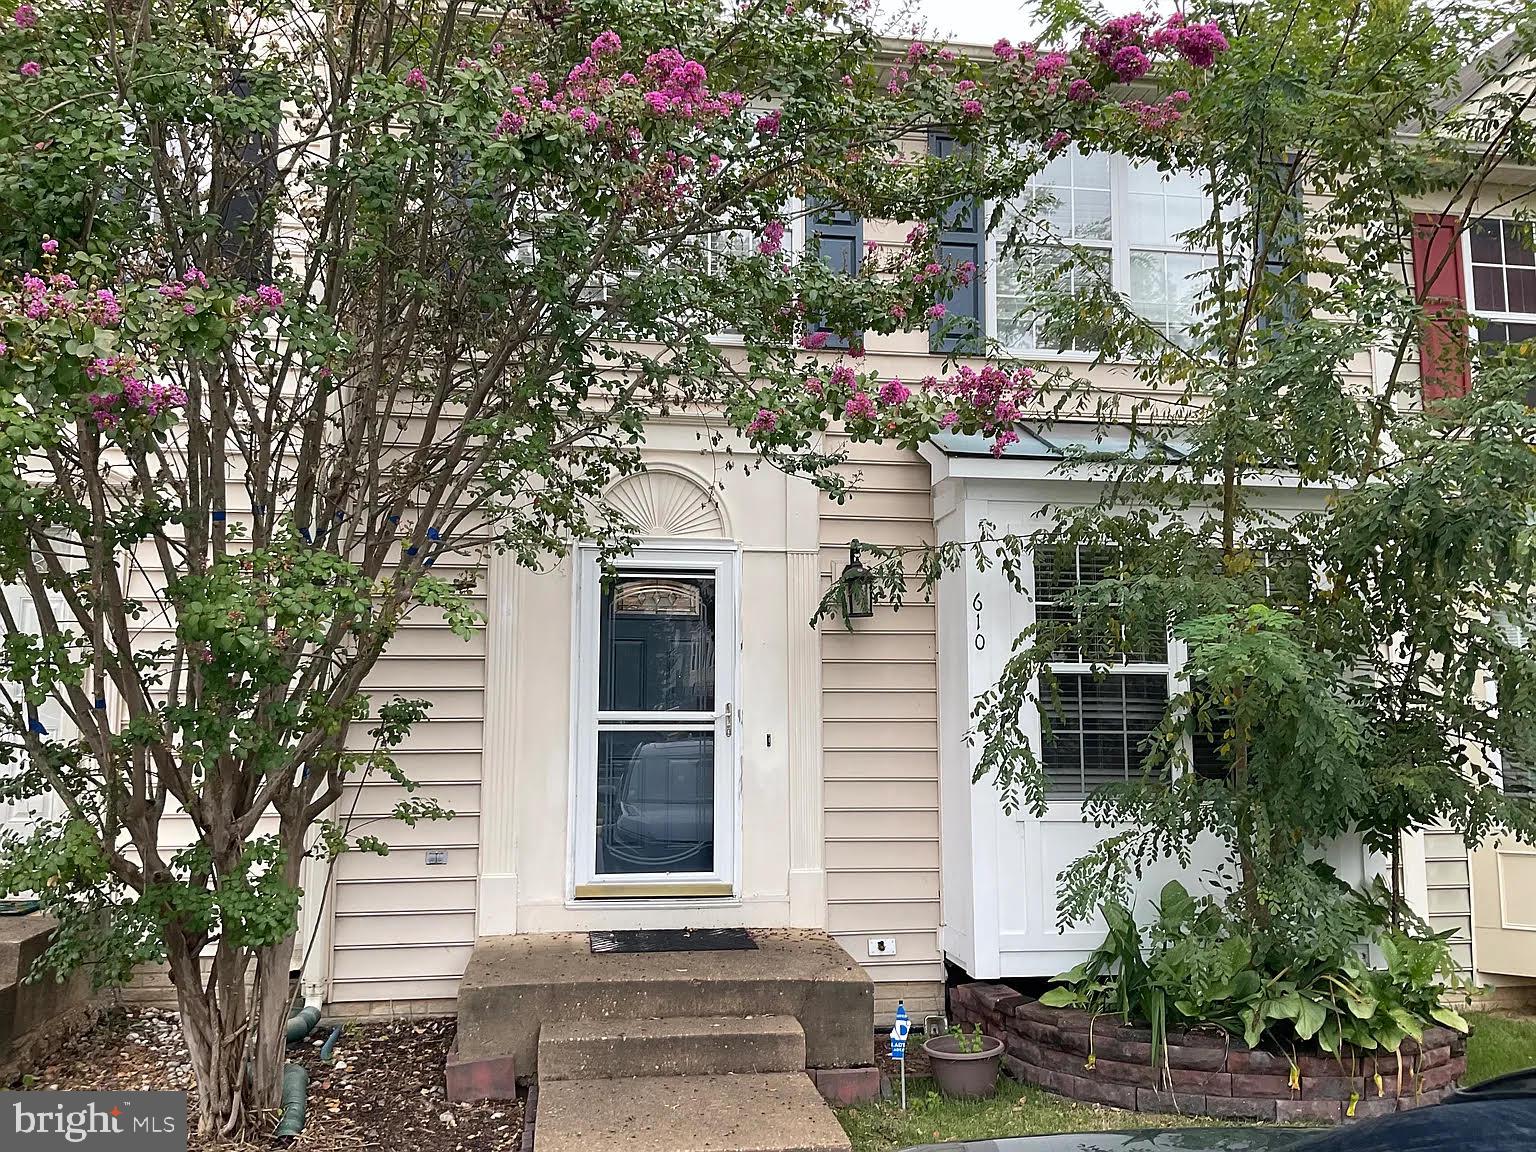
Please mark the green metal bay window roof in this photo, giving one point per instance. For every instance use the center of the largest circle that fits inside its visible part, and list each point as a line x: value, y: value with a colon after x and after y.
x: 1077, y: 440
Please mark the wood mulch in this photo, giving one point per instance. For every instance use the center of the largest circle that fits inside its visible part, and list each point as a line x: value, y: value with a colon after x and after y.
x: 384, y: 1090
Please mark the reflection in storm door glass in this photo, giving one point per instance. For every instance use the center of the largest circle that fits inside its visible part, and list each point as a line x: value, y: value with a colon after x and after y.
x: 656, y: 738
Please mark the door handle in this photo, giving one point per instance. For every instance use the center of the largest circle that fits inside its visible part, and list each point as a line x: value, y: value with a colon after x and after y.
x: 729, y: 714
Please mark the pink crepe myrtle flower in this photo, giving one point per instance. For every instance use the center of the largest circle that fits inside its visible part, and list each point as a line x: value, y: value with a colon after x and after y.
x: 416, y: 78
x: 971, y: 109
x: 606, y: 44
x: 1057, y: 140
x: 1050, y: 64
x: 195, y: 275
x: 510, y: 122
x: 769, y: 125
x: 916, y: 50
x: 173, y: 291
x: 26, y: 16
x: 899, y: 311
x: 50, y: 247
x: 189, y: 308
x: 843, y: 377
x: 1082, y: 91
x: 31, y: 69
x: 773, y: 238
x: 270, y: 295
x: 1200, y: 44
x: 814, y: 340
x: 497, y: 48
x: 937, y: 312
x: 859, y: 407
x: 105, y: 309
x: 814, y: 385
x: 894, y: 392
x: 847, y: 81
x: 764, y: 422
x: 1129, y: 63
x: 1004, y: 50
x: 4, y: 347
x: 949, y: 419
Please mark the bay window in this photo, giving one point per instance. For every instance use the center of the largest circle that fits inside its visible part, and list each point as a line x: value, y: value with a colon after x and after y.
x: 1124, y: 223
x: 1101, y: 713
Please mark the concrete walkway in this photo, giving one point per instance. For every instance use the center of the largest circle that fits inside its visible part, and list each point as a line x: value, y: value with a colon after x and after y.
x: 762, y: 1112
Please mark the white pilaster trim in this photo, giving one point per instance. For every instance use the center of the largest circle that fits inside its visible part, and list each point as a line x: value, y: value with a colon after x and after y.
x: 807, y: 878
x: 497, y: 889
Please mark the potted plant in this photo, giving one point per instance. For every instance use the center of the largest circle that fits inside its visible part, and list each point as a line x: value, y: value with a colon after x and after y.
x: 965, y: 1063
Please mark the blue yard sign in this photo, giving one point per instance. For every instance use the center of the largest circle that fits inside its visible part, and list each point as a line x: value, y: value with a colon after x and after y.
x: 899, y: 1032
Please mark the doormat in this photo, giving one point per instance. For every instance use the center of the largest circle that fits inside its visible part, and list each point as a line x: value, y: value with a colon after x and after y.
x: 674, y: 940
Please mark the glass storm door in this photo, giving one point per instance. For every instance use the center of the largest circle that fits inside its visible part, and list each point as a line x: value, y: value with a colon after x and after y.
x: 657, y: 782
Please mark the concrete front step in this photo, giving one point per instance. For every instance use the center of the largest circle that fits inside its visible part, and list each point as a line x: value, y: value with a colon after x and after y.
x: 678, y: 1046
x: 515, y: 985
x: 768, y: 1112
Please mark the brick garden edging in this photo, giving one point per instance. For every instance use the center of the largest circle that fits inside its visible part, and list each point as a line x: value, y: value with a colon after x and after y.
x: 1206, y: 1074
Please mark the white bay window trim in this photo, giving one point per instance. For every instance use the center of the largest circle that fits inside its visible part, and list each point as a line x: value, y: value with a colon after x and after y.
x: 1127, y: 195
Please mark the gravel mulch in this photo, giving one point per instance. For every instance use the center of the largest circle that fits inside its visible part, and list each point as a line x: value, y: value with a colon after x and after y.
x: 385, y: 1089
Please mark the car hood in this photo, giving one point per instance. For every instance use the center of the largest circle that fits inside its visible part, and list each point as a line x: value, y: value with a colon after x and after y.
x: 1140, y: 1140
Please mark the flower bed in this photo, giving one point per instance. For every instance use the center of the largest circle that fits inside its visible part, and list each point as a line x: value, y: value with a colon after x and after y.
x: 1102, y: 1061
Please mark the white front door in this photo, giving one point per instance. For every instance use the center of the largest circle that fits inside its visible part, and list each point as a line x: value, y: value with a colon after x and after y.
x: 656, y: 719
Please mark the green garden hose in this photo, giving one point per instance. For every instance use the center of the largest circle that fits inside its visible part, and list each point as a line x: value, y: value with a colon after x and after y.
x: 295, y: 1101
x: 302, y: 1023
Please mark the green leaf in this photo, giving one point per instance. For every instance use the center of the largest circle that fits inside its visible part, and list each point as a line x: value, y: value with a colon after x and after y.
x: 1060, y: 998
x: 1449, y: 1017
x: 1310, y: 1017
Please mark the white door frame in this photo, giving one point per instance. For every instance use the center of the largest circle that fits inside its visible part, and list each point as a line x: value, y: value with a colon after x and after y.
x: 722, y: 560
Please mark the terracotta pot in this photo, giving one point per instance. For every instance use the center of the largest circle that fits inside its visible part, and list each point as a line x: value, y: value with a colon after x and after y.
x: 966, y: 1075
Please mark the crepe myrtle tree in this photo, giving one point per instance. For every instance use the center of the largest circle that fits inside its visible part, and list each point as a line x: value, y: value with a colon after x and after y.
x: 1362, y: 666
x: 307, y: 307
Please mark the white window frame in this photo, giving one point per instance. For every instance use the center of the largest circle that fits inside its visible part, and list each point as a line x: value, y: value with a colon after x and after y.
x: 1504, y: 317
x: 1171, y: 668
x: 1119, y: 247
x: 722, y: 560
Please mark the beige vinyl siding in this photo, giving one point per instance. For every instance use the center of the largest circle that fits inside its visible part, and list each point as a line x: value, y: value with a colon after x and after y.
x: 402, y: 928
x: 880, y: 744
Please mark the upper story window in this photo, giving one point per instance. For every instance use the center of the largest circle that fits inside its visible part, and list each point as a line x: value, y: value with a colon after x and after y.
x: 1503, y: 281
x: 1126, y: 221
x: 1503, y: 288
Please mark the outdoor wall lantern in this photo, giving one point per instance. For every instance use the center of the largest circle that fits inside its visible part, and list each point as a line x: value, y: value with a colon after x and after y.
x: 858, y: 585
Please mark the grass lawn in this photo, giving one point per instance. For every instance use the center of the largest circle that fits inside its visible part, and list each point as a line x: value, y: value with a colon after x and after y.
x: 1016, y: 1110
x: 1498, y: 1044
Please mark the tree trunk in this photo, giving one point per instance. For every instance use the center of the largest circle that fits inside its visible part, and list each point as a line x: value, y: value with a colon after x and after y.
x: 217, y: 1054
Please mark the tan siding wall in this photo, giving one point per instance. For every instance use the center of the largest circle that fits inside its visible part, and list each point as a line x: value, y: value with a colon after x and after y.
x: 403, y: 928
x: 880, y: 744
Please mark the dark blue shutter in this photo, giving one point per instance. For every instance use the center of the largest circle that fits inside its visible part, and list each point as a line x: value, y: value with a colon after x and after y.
x: 962, y: 237
x: 837, y: 236
x: 245, y: 229
x: 1281, y: 251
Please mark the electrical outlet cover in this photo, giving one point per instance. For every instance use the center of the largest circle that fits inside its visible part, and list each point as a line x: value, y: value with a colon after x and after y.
x: 882, y: 946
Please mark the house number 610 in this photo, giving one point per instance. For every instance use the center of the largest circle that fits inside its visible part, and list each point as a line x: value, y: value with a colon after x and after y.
x: 981, y: 641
